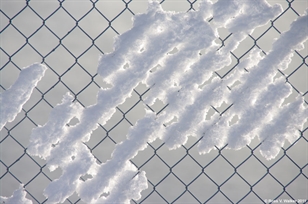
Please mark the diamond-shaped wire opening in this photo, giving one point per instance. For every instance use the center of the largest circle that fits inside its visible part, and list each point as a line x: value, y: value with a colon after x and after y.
x: 40, y: 113
x: 156, y: 170
x: 9, y: 35
x: 60, y: 29
x: 44, y: 41
x: 268, y: 188
x: 252, y: 170
x: 235, y: 194
x: 202, y: 188
x: 187, y: 170
x: 299, y: 79
x: 36, y: 192
x: 77, y: 35
x: 60, y: 60
x: 170, y: 188
x: 9, y: 154
x: 30, y: 19
x: 23, y: 131
x: 93, y: 23
x: 296, y: 156
x: 284, y: 170
x: 25, y: 169
x: 219, y: 170
x: 76, y: 74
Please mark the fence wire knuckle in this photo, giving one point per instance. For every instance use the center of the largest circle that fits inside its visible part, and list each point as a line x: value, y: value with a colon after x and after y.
x: 157, y: 189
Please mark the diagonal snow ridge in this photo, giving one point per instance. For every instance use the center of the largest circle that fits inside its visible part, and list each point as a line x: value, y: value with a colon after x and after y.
x: 163, y: 49
x: 11, y: 103
x: 13, y: 99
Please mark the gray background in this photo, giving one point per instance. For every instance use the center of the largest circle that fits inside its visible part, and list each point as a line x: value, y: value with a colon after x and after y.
x: 43, y: 46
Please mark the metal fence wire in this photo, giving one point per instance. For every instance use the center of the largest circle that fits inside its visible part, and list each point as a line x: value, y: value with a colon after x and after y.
x: 68, y: 36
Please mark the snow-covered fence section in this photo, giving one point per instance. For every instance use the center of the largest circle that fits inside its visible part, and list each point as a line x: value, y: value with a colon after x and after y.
x: 163, y: 48
x: 13, y: 99
x: 19, y: 196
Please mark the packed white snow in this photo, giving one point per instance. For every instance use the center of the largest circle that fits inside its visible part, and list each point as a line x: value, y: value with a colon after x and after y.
x: 18, y: 197
x: 257, y: 101
x: 13, y: 99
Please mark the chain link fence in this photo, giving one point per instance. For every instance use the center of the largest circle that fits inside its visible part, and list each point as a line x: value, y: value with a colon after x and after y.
x: 68, y: 36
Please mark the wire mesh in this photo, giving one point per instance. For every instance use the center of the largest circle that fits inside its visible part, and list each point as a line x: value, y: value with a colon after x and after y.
x: 68, y: 36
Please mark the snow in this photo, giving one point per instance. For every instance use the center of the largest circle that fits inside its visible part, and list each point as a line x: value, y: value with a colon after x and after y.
x: 18, y: 197
x: 257, y: 101
x: 107, y: 172
x: 13, y: 99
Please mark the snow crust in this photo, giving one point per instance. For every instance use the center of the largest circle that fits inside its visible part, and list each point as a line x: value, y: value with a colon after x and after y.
x: 18, y: 197
x: 257, y: 101
x: 13, y: 99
